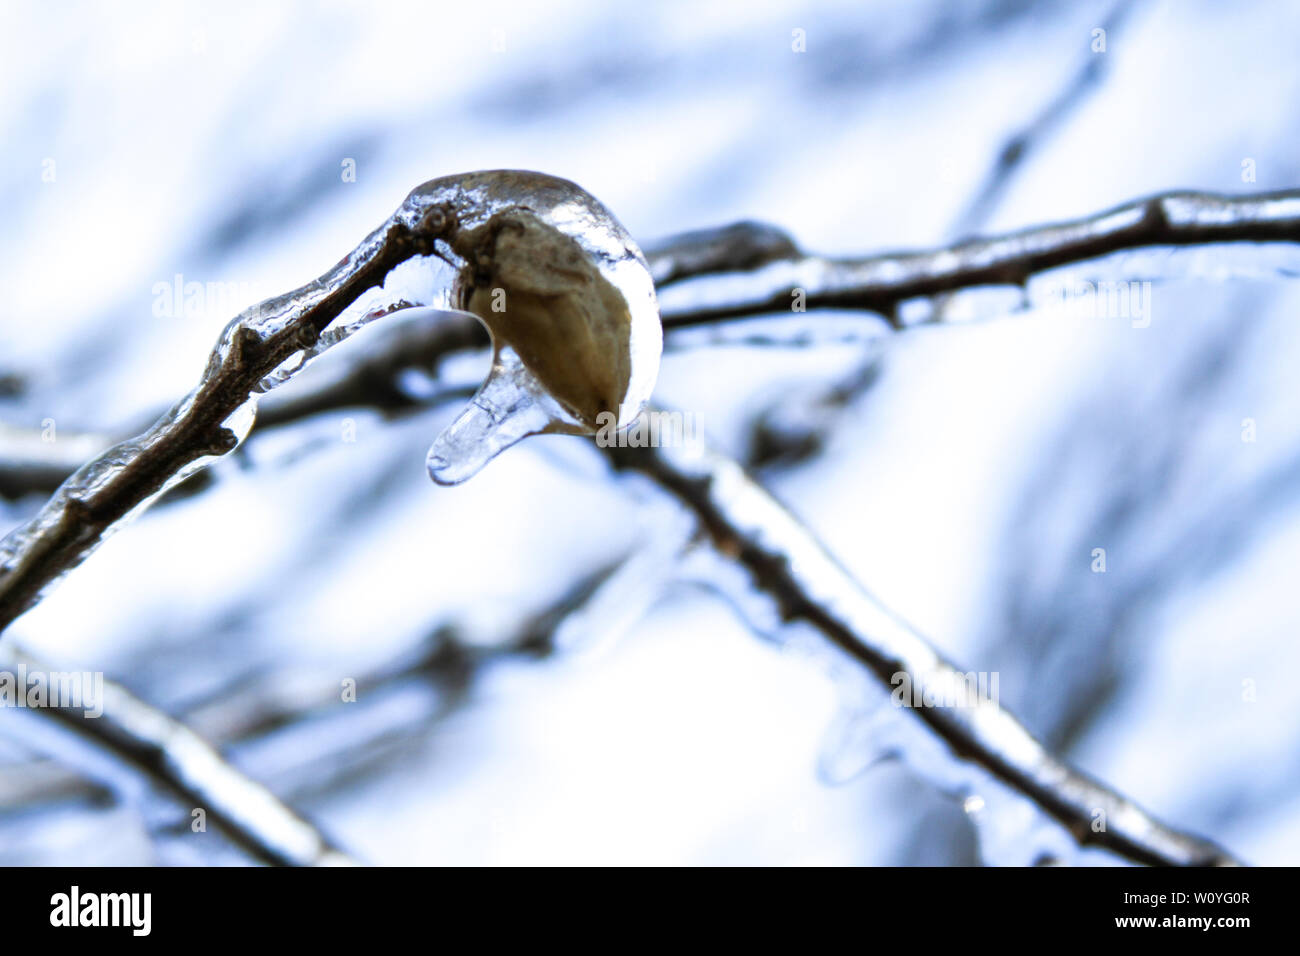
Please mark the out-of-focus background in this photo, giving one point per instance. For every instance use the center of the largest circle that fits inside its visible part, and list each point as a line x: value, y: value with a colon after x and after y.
x: 967, y: 479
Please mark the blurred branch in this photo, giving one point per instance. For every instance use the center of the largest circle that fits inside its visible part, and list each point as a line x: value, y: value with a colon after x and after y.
x: 257, y: 702
x: 170, y: 754
x: 34, y: 462
x: 879, y: 283
x: 1053, y: 115
x: 785, y: 436
x: 371, y: 380
x: 738, y: 247
x: 786, y: 562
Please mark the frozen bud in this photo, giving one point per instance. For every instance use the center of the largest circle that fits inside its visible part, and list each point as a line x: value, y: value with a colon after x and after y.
x: 569, y: 302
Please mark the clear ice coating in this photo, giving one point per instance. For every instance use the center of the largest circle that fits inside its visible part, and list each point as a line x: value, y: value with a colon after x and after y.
x: 567, y: 298
x: 511, y: 405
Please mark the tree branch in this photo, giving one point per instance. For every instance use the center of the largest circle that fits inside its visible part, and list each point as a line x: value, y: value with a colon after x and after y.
x: 786, y: 562
x: 879, y: 283
x: 170, y: 754
x: 249, y: 706
x: 130, y: 475
x: 738, y: 247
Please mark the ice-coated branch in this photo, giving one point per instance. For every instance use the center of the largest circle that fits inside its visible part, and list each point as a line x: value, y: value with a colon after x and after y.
x: 202, y: 426
x: 738, y: 247
x: 582, y: 335
x: 786, y: 562
x: 371, y: 380
x: 879, y: 283
x: 235, y: 712
x: 29, y: 462
x: 171, y: 755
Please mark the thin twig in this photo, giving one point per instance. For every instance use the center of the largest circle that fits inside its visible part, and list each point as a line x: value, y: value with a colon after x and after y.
x: 167, y: 752
x: 879, y: 283
x: 1051, y: 116
x: 786, y: 562
x: 253, y: 704
x: 740, y: 246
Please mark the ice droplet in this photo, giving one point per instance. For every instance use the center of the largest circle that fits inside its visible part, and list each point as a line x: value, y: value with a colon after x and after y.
x: 511, y: 405
x: 569, y: 302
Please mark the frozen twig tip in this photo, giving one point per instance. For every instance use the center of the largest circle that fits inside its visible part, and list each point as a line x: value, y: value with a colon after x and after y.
x: 569, y: 302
